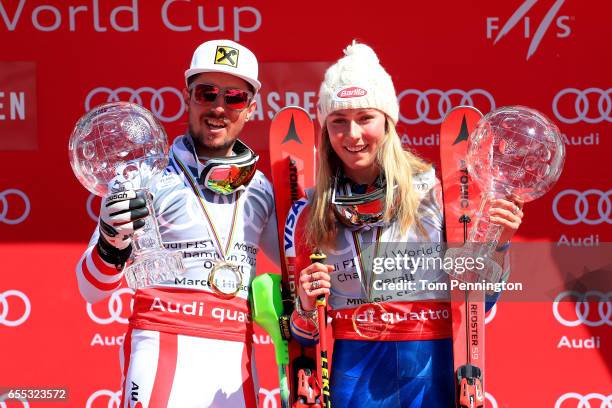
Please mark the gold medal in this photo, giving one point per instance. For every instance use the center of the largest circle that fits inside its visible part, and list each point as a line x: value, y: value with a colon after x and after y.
x: 369, y: 321
x: 225, y: 279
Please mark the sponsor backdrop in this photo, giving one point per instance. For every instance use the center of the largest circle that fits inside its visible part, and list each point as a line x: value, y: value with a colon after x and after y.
x: 58, y: 59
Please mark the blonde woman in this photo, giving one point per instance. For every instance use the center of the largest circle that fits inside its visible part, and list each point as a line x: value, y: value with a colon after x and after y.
x: 371, y: 196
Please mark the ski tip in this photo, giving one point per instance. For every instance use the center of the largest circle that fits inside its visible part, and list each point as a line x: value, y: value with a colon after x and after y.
x: 292, y: 108
x: 461, y: 108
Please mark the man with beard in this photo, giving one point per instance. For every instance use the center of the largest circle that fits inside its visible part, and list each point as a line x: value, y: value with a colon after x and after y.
x: 189, y: 341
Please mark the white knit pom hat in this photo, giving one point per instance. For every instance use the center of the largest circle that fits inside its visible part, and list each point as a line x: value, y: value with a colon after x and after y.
x: 357, y: 80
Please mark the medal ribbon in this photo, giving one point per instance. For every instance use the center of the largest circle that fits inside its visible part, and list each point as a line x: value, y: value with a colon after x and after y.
x: 357, y: 252
x: 198, y: 193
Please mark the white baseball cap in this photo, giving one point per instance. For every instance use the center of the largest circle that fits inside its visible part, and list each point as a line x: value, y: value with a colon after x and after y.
x: 227, y: 57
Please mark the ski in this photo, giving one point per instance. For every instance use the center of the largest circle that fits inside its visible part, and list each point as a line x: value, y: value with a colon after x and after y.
x: 292, y: 159
x: 461, y: 200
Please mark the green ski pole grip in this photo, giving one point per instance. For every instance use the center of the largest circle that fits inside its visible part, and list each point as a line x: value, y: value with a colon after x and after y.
x: 267, y: 308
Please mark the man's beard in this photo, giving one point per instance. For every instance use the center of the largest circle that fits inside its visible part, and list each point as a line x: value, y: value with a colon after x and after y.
x: 199, y: 140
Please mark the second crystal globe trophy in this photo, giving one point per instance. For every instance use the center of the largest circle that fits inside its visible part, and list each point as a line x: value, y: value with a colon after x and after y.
x: 514, y: 151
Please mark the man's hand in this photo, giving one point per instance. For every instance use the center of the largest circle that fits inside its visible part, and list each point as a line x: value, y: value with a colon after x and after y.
x: 120, y: 215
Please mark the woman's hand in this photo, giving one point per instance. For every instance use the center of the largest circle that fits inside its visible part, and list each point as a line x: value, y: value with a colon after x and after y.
x: 314, y: 281
x: 509, y: 214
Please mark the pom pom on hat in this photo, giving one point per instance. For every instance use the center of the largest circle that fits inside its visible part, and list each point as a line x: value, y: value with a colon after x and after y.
x: 355, y: 81
x: 359, y: 50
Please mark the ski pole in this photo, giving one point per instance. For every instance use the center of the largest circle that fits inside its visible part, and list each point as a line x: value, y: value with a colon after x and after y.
x: 267, y: 309
x: 320, y: 257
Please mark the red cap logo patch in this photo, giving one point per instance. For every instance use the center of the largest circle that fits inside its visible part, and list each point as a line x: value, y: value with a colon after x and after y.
x: 352, y: 92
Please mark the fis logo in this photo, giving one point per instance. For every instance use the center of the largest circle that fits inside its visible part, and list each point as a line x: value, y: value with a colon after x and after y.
x: 226, y: 56
x: 520, y: 18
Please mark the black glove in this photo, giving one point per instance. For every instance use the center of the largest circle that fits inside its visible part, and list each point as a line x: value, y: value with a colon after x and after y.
x: 120, y: 215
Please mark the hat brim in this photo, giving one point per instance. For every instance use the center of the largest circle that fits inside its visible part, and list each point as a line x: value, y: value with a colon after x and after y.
x: 193, y: 71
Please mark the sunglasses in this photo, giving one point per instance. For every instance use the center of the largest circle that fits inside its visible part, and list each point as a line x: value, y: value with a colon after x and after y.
x: 236, y: 99
x: 359, y: 209
x: 356, y: 210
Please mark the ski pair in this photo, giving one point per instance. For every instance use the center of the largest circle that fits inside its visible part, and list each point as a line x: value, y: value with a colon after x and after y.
x: 461, y: 200
x: 292, y: 158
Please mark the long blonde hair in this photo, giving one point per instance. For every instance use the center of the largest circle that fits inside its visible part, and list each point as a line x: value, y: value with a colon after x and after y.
x: 398, y: 166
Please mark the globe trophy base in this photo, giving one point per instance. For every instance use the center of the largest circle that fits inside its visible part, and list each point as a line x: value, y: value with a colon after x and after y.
x: 153, y: 266
x: 483, y: 267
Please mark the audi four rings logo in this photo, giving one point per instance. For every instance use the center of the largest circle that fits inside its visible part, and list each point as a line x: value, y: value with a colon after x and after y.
x: 113, y: 398
x: 582, y: 210
x: 6, y: 306
x: 432, y: 105
x: 491, y: 399
x: 582, y: 314
x: 584, y: 401
x: 115, y: 308
x: 491, y: 315
x: 165, y: 103
x: 3, y: 397
x: 4, y: 206
x: 582, y: 108
x: 269, y: 397
x: 89, y: 206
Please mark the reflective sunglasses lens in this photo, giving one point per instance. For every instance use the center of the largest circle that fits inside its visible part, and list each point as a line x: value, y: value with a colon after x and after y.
x: 236, y: 98
x: 227, y: 179
x: 360, y: 214
x: 204, y: 93
x: 373, y: 207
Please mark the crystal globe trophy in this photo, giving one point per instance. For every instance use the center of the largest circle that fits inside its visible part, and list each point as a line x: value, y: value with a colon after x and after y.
x: 120, y: 146
x: 514, y: 151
